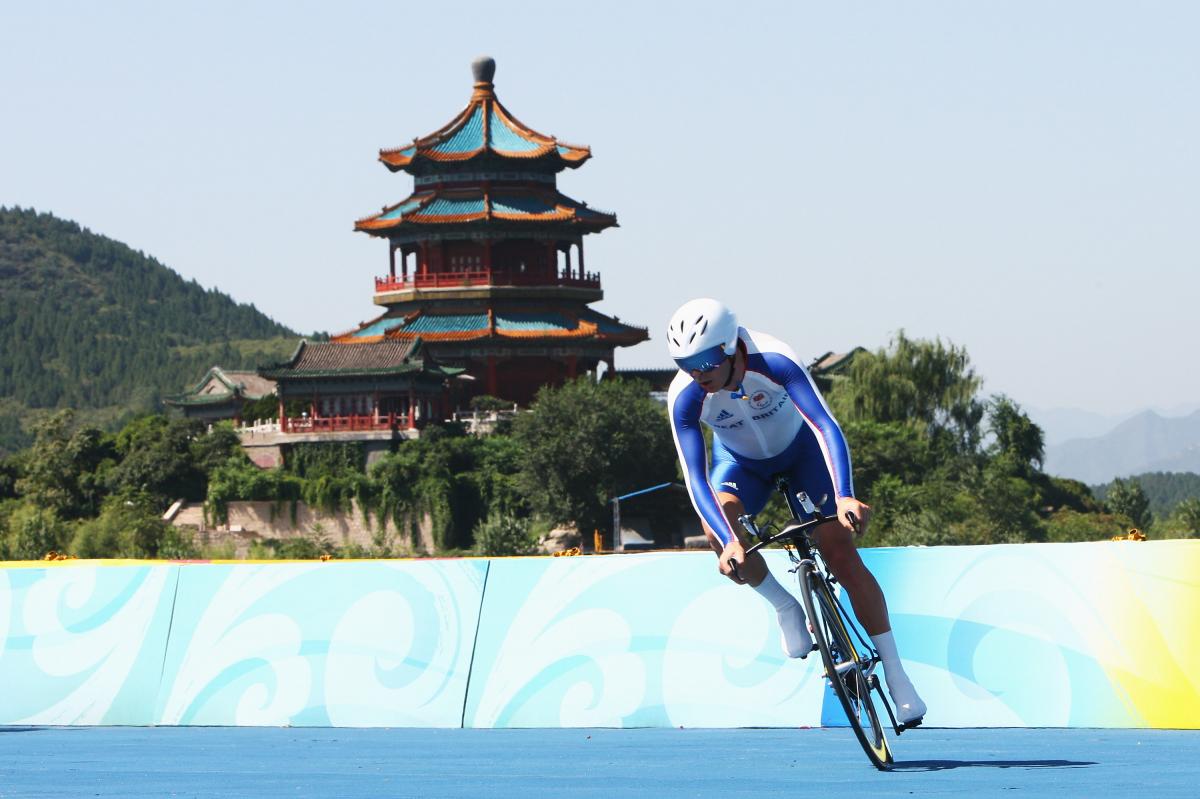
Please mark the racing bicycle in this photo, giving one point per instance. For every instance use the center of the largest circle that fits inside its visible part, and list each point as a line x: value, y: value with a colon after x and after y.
x: 849, y: 659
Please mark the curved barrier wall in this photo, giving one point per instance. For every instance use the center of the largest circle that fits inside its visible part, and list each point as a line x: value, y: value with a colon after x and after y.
x: 1062, y: 635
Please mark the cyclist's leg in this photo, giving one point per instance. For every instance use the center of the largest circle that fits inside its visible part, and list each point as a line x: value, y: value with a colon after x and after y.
x: 836, y: 543
x: 739, y: 491
x: 743, y: 489
x: 838, y: 549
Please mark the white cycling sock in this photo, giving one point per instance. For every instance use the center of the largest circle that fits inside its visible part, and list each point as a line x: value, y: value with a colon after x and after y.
x: 893, y: 669
x: 796, y: 641
x: 909, y: 705
x: 779, y: 597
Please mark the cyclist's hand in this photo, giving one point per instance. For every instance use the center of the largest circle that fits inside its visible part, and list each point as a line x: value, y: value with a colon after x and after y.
x: 736, y: 552
x: 861, y: 511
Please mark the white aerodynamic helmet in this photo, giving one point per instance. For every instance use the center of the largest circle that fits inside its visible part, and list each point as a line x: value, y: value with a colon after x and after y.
x: 701, y: 334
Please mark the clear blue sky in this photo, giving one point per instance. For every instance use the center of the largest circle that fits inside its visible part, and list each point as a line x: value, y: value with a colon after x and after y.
x: 1019, y: 178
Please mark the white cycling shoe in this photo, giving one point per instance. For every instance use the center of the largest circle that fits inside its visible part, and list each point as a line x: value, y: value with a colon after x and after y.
x: 910, y: 709
x: 796, y: 641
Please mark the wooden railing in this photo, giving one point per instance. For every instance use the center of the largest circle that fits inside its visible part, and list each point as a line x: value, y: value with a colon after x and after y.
x: 439, y: 280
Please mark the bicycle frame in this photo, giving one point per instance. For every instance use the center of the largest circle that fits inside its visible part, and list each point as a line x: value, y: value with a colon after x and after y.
x: 840, y: 631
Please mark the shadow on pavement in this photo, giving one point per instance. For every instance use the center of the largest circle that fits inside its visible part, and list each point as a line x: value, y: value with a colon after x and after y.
x: 945, y: 765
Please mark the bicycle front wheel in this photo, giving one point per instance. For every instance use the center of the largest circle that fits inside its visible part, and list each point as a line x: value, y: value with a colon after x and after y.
x: 847, y: 671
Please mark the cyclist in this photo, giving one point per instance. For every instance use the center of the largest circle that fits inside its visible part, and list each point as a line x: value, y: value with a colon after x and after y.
x: 767, y: 417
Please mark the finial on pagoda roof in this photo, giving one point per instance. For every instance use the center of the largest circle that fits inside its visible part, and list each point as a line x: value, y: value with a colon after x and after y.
x: 484, y: 69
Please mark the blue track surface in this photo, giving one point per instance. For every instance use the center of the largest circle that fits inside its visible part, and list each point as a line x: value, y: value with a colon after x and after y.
x: 538, y: 764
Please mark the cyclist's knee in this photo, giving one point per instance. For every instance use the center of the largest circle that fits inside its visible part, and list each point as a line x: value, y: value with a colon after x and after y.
x: 840, y: 554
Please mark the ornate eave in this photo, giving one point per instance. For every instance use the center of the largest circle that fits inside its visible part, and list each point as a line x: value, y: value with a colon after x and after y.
x: 355, y: 359
x: 486, y: 205
x: 529, y: 326
x: 234, y: 386
x: 484, y: 128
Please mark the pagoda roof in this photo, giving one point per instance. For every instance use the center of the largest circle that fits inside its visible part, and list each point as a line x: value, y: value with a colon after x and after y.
x: 429, y: 326
x: 485, y: 204
x: 352, y: 359
x: 834, y: 362
x: 485, y: 127
x: 219, y: 385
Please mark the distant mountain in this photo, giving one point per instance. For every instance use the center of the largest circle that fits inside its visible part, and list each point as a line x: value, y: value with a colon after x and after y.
x: 1064, y: 424
x: 86, y: 322
x: 1146, y: 442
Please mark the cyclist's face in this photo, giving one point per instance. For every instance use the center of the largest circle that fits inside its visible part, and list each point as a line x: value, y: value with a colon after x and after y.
x: 716, y: 377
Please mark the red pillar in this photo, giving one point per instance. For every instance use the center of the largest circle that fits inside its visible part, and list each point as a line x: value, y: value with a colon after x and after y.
x: 491, y: 375
x: 392, y: 262
x: 568, y: 261
x: 582, y: 268
x: 572, y: 366
x: 282, y: 418
x: 412, y: 410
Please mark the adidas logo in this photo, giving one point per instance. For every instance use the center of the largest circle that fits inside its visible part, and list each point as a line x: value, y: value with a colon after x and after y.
x: 723, y: 415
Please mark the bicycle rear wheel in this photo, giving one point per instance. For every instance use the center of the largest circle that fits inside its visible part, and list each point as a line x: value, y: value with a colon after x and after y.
x: 847, y: 672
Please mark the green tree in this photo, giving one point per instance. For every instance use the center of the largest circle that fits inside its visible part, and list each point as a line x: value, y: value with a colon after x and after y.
x: 585, y: 443
x: 1016, y: 436
x: 9, y: 474
x: 486, y: 402
x: 924, y: 383
x: 499, y: 535
x: 1127, y: 498
x: 129, y: 526
x: 63, y: 470
x: 31, y: 532
x: 156, y: 459
x: 1185, y: 518
x: 1071, y: 525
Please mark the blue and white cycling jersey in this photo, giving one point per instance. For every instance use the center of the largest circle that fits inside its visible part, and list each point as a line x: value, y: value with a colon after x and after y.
x: 778, y: 409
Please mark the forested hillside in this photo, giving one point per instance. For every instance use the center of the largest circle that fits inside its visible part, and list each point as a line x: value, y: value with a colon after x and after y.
x: 89, y: 323
x: 1163, y: 490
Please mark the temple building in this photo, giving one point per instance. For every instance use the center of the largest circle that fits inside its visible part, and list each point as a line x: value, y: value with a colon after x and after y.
x: 386, y: 386
x: 221, y: 394
x: 487, y: 292
x: 486, y: 256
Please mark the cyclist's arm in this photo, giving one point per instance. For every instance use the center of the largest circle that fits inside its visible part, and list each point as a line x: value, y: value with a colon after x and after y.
x: 684, y: 411
x: 795, y: 379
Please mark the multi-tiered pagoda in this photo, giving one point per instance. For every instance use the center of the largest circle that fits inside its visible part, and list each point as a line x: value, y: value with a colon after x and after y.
x: 486, y: 256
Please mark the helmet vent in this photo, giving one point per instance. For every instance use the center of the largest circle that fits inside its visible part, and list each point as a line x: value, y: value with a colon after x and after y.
x: 704, y: 328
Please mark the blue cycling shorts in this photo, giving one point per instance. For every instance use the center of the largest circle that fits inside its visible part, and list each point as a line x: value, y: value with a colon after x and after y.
x: 750, y: 480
